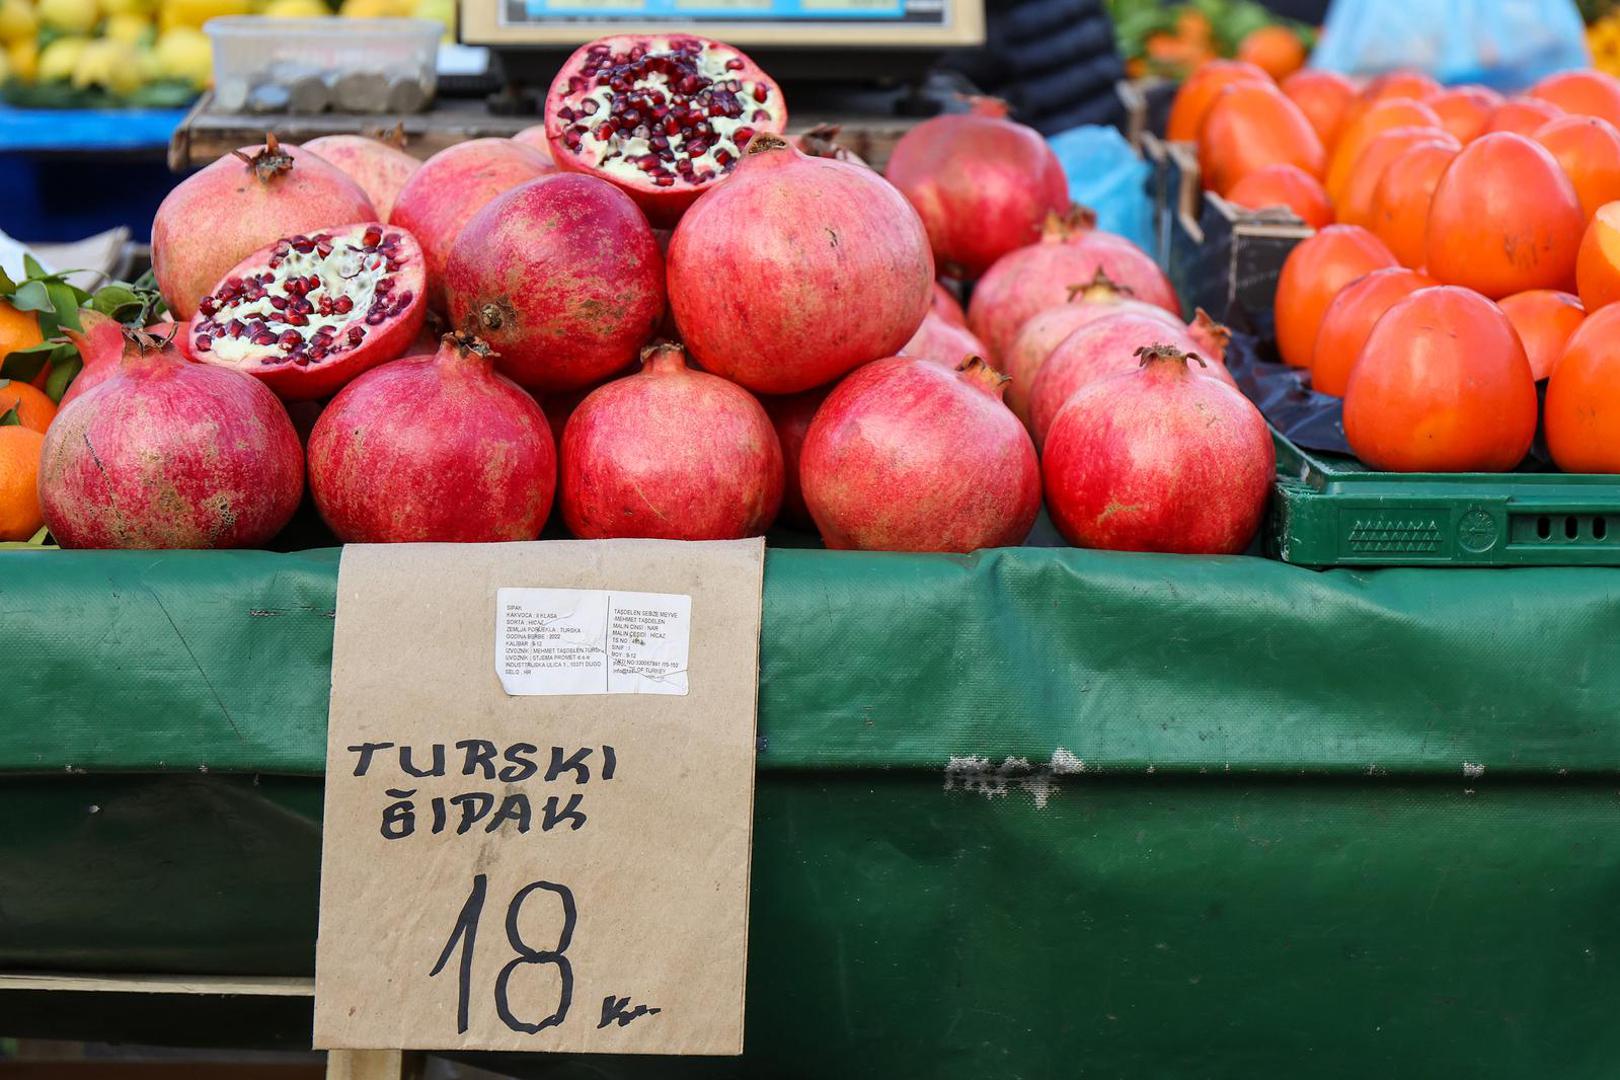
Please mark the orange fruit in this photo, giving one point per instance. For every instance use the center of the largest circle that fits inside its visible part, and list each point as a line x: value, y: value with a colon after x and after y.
x: 1312, y: 275
x: 1585, y: 93
x: 34, y: 409
x: 1465, y: 110
x: 1351, y: 317
x: 1597, y: 266
x: 1323, y: 96
x: 1442, y: 385
x: 1249, y: 127
x: 1400, y: 212
x: 1588, y: 150
x: 18, y: 330
x: 1193, y: 25
x: 1276, y: 50
x: 20, y: 515
x: 1504, y: 219
x: 1357, y: 133
x: 1284, y: 185
x: 1198, y: 93
x: 1544, y: 320
x: 1583, y: 398
x: 1356, y: 207
x: 1522, y: 116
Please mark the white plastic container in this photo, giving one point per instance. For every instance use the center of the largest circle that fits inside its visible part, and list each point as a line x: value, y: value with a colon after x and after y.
x: 323, y: 65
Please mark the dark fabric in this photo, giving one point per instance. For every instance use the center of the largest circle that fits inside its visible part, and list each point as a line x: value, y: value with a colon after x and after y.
x: 1053, y: 61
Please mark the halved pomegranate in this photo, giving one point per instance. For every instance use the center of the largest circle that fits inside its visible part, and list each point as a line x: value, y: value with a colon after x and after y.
x: 662, y: 117
x: 308, y: 313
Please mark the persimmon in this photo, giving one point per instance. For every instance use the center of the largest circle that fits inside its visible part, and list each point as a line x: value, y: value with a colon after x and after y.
x: 1356, y: 207
x: 1441, y: 385
x: 1249, y: 127
x: 1400, y: 213
x: 1588, y: 150
x: 1544, y: 320
x: 1284, y: 185
x: 1276, y: 50
x: 1464, y: 110
x: 1391, y: 86
x: 1587, y: 92
x: 1323, y: 96
x: 1312, y: 275
x: 1351, y: 317
x: 1597, y: 265
x: 1583, y: 398
x: 1198, y: 92
x: 1522, y: 116
x: 1504, y: 219
x: 1362, y: 130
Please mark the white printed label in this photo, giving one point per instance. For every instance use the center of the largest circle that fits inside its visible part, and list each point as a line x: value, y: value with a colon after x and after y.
x: 590, y: 641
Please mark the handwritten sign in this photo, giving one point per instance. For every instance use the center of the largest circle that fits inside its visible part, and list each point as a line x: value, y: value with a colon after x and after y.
x: 539, y: 793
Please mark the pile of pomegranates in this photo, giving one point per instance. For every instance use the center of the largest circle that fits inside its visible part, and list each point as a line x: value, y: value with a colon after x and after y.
x: 662, y: 316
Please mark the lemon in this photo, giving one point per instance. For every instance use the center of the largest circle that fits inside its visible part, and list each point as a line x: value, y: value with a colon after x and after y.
x: 69, y: 16
x: 17, y: 21
x: 23, y: 56
x: 442, y: 11
x: 109, y: 64
x: 193, y: 13
x: 296, y: 9
x: 365, y: 9
x: 60, y: 57
x: 183, y: 53
x: 130, y: 28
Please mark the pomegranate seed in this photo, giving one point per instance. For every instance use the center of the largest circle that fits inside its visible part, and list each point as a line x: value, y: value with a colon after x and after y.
x: 375, y: 318
x: 203, y: 343
x: 742, y: 135
x: 265, y: 338
x: 761, y: 92
x: 207, y: 306
x: 289, y: 338
x: 734, y: 64
x: 317, y: 351
x: 664, y: 181
x: 343, y: 305
x: 722, y: 157
x: 373, y: 237
x: 237, y: 328
x: 296, y: 318
x: 405, y: 299
x: 761, y: 116
x: 357, y: 334
x: 279, y: 303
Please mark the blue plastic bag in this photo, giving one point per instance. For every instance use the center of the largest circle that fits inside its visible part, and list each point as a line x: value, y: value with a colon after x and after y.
x: 1105, y: 174
x: 1506, y: 44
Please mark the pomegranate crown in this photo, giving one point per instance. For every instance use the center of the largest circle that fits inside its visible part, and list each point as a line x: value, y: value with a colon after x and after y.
x: 985, y: 105
x: 1152, y: 354
x: 1060, y: 226
x: 268, y: 163
x: 1216, y: 335
x: 978, y: 370
x: 394, y: 136
x: 663, y: 355
x: 141, y: 341
x: 1100, y: 283
x: 820, y: 141
x: 764, y: 143
x: 464, y: 344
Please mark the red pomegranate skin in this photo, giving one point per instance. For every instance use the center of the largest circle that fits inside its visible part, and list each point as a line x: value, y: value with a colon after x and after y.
x: 791, y: 415
x: 381, y: 170
x: 982, y: 184
x: 215, y: 218
x: 948, y: 307
x: 535, y: 139
x: 100, y: 341
x: 1107, y: 346
x: 434, y: 448
x: 670, y: 453
x: 908, y: 455
x: 453, y: 185
x: 1159, y: 459
x: 797, y: 270
x: 562, y: 277
x: 943, y: 343
x: 1070, y: 252
x: 169, y: 454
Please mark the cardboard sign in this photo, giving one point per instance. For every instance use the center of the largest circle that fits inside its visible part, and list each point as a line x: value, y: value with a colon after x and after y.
x: 539, y: 797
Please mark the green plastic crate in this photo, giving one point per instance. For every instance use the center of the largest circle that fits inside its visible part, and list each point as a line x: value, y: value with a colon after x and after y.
x: 1329, y: 510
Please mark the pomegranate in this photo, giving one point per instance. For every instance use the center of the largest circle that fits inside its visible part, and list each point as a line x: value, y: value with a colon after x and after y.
x: 948, y: 307
x: 1107, y: 346
x: 671, y: 453
x: 308, y: 313
x: 822, y: 141
x: 534, y: 138
x: 943, y: 343
x: 1159, y: 459
x: 562, y: 277
x: 1045, y: 331
x: 1070, y: 250
x: 453, y: 185
x: 661, y: 117
x: 100, y: 341
x: 380, y: 169
x: 908, y: 455
x: 982, y: 183
x: 215, y: 218
x: 169, y: 454
x: 797, y: 270
x: 791, y: 415
x: 433, y: 448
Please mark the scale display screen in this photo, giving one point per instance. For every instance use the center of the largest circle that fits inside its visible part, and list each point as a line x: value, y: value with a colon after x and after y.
x: 936, y: 23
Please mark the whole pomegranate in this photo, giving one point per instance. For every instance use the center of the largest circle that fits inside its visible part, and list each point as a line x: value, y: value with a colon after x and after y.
x: 981, y: 183
x: 453, y: 185
x: 1045, y: 331
x: 215, y: 218
x: 791, y: 415
x: 942, y: 342
x: 535, y: 139
x: 169, y: 454
x: 1108, y: 346
x: 797, y: 270
x: 947, y: 306
x: 663, y: 117
x: 670, y: 453
x: 1159, y: 459
x: 381, y: 170
x: 1070, y: 252
x: 562, y: 277
x: 908, y: 455
x: 100, y: 341
x: 308, y: 313
x: 434, y: 449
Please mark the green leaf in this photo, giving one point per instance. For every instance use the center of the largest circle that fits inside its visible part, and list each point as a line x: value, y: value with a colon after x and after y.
x: 7, y: 286
x: 31, y: 296
x: 32, y: 267
x: 65, y: 299
x: 63, y: 371
x: 25, y: 364
x: 38, y: 539
x: 11, y: 418
x: 111, y: 298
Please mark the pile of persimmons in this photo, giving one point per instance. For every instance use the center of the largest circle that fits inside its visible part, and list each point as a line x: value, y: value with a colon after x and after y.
x: 1467, y: 247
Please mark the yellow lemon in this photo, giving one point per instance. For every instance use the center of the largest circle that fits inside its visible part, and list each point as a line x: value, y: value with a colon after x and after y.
x: 183, y: 53
x: 296, y: 9
x: 109, y: 64
x: 365, y: 9
x: 60, y: 57
x: 23, y: 56
x: 193, y: 13
x: 69, y: 16
x: 129, y: 28
x: 17, y: 21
